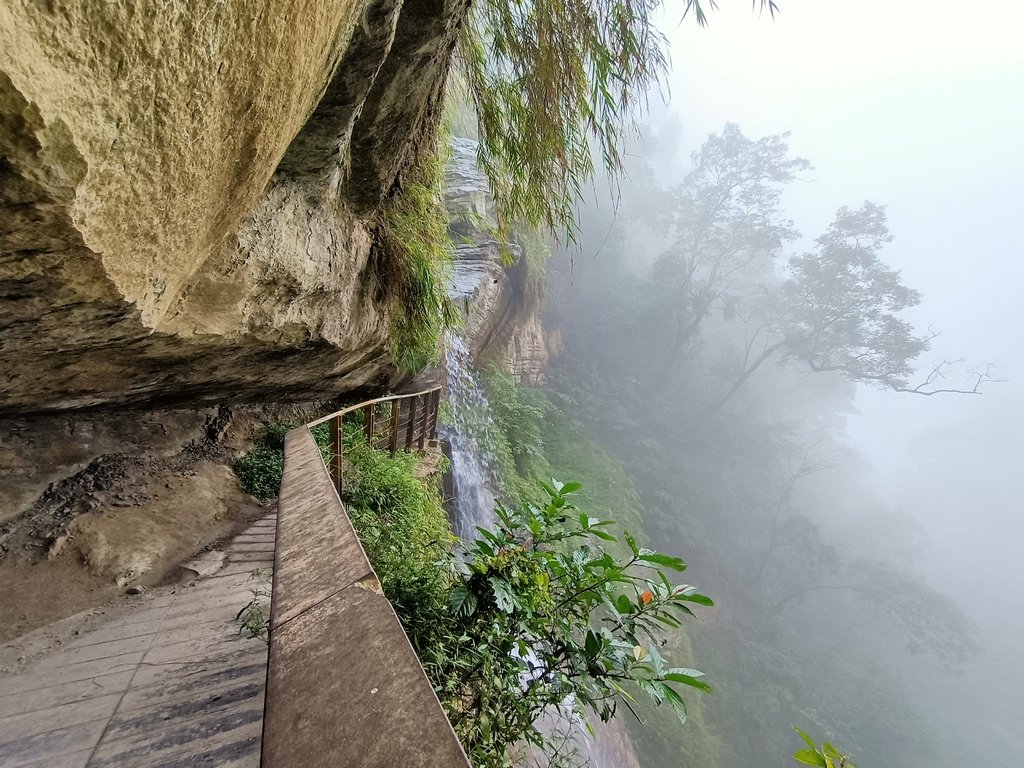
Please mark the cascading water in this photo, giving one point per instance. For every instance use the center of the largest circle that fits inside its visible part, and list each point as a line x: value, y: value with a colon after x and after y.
x: 473, y: 473
x: 475, y: 483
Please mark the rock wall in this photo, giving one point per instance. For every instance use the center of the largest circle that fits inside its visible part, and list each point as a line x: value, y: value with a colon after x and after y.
x: 500, y: 309
x: 187, y: 193
x: 188, y: 198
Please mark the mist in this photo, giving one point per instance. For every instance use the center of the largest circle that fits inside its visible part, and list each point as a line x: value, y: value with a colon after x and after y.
x: 918, y: 108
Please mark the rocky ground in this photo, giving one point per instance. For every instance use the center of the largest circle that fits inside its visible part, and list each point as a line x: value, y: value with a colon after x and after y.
x: 127, y: 520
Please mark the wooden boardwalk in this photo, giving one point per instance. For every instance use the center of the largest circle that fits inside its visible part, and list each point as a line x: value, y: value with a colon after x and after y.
x: 165, y: 681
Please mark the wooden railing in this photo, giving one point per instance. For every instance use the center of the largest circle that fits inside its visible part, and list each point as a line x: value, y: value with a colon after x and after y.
x: 388, y: 423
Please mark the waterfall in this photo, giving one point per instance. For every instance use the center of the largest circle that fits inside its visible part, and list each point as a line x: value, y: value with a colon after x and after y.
x: 475, y: 481
x: 474, y: 476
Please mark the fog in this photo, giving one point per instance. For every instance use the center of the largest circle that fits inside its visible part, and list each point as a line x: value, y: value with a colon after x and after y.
x: 918, y: 107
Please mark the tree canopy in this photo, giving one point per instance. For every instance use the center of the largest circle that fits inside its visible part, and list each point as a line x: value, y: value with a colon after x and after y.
x: 834, y: 309
x: 554, y: 83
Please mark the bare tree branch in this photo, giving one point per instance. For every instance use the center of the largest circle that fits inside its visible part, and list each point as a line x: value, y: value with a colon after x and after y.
x: 930, y: 386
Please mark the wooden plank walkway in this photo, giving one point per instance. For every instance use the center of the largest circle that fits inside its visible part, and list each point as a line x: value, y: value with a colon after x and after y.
x: 165, y: 682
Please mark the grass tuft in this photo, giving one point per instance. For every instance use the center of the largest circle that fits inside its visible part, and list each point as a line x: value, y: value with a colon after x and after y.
x: 417, y: 263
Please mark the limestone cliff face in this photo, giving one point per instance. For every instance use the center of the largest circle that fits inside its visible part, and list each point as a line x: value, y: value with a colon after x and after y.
x: 187, y: 194
x: 500, y: 309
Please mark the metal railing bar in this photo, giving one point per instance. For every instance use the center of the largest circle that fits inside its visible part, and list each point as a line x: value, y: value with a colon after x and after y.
x: 365, y: 403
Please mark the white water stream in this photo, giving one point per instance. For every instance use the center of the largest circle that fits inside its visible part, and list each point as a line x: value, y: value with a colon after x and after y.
x: 474, y: 475
x: 475, y: 484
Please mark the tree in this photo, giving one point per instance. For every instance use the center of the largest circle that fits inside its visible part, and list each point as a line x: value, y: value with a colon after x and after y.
x: 789, y: 529
x: 838, y: 312
x: 727, y: 226
x: 553, y: 82
x: 931, y: 622
x: 840, y: 305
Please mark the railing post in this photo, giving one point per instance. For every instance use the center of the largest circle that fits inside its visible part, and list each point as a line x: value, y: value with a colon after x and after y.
x: 424, y: 421
x: 337, y: 446
x: 410, y: 430
x: 396, y: 413
x: 369, y: 418
x: 435, y: 403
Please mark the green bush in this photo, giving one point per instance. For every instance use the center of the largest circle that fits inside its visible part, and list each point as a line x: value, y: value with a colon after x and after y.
x: 260, y: 468
x: 416, y: 265
x: 544, y: 617
x: 400, y: 519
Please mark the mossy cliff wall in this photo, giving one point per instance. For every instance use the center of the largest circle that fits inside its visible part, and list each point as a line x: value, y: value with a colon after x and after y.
x: 500, y: 304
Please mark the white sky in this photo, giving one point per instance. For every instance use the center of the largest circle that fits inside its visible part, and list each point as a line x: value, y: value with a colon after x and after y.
x: 920, y: 106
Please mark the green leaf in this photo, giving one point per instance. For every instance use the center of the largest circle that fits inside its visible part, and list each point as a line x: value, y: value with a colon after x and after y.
x: 675, y: 563
x: 463, y: 602
x: 503, y: 594
x: 694, y: 597
x: 484, y: 547
x: 690, y: 680
x: 803, y: 735
x: 568, y: 488
x: 592, y: 645
x: 675, y: 701
x: 632, y: 543
x: 489, y: 536
x: 683, y: 609
x: 810, y: 757
x: 687, y: 671
x: 601, y: 535
x: 623, y: 604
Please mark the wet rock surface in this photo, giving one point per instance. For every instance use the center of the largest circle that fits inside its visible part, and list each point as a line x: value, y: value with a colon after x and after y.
x: 501, y: 311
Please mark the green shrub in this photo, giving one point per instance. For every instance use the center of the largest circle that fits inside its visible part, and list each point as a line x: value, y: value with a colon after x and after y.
x: 260, y: 468
x: 417, y: 262
x: 404, y: 528
x: 545, y: 617
x: 400, y: 518
x: 519, y: 412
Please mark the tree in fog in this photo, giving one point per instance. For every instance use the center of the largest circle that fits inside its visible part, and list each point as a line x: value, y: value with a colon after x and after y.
x: 820, y: 607
x: 837, y: 308
x: 726, y: 225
